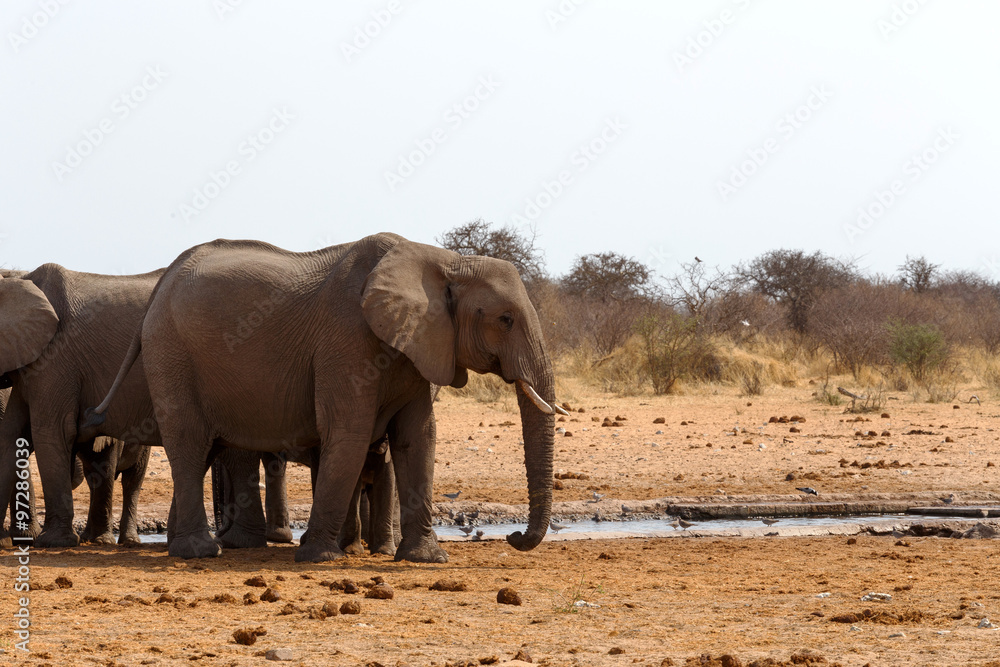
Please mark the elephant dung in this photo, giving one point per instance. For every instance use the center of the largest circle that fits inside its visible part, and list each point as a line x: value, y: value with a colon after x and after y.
x: 247, y: 636
x: 508, y: 595
x: 380, y: 592
x: 350, y: 607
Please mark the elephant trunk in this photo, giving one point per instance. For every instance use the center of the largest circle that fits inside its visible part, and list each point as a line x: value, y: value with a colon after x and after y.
x: 537, y: 427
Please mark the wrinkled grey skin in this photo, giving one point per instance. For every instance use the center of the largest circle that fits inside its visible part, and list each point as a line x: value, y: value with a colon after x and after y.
x: 266, y: 349
x: 62, y: 337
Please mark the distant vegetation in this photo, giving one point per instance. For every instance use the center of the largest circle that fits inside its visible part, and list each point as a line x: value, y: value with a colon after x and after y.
x: 772, y: 320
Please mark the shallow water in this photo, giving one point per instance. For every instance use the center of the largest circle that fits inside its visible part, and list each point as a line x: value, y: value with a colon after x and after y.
x: 652, y: 527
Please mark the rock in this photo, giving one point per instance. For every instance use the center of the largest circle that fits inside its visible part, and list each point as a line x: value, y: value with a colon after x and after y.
x: 985, y: 624
x: 380, y: 592
x: 508, y: 595
x: 270, y: 595
x: 247, y: 636
x: 897, y: 634
x: 450, y: 585
x: 64, y: 582
x: 279, y: 654
x: 256, y: 581
x: 350, y: 607
x: 876, y: 597
x: 660, y: 420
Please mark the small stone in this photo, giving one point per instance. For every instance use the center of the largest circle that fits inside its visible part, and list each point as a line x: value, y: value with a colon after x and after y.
x: 523, y: 656
x: 508, y: 596
x: 64, y: 582
x: 350, y: 607
x: 985, y: 624
x: 852, y: 540
x: 279, y: 654
x: 257, y: 581
x: 380, y: 592
x: 270, y: 595
x: 660, y: 420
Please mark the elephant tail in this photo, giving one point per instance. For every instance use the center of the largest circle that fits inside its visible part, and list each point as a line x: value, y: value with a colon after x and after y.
x: 94, y: 417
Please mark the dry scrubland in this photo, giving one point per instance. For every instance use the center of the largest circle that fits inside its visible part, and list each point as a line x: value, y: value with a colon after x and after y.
x: 738, y: 600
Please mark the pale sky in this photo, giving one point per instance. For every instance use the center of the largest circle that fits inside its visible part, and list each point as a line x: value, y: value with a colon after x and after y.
x: 661, y: 130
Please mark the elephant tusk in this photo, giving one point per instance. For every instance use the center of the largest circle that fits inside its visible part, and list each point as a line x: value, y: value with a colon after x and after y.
x: 558, y: 408
x: 530, y: 392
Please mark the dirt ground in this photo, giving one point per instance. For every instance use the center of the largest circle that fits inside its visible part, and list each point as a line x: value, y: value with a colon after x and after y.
x: 653, y: 600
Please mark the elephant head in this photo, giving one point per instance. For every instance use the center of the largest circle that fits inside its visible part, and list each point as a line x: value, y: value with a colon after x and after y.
x: 27, y: 323
x: 450, y: 313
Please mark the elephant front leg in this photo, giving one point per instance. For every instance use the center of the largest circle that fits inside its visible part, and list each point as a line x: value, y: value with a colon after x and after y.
x: 132, y: 477
x: 278, y: 528
x: 342, y: 455
x: 243, y: 514
x: 99, y: 471
x: 412, y: 440
x: 53, y: 454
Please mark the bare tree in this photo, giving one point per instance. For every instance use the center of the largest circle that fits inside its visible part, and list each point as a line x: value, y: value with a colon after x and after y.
x: 695, y: 289
x: 795, y: 280
x: 608, y: 276
x: 478, y: 237
x: 917, y: 274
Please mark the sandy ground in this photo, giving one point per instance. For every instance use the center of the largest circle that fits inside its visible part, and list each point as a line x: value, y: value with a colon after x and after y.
x: 657, y: 599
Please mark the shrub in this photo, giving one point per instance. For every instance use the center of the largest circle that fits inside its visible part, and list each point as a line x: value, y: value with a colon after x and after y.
x: 919, y: 347
x: 675, y: 347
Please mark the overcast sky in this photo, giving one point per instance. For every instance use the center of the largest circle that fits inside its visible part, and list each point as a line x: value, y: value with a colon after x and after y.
x: 661, y: 130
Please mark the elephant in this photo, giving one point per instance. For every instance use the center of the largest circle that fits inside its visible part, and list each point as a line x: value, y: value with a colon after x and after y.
x: 264, y: 349
x: 241, y: 521
x: 62, y: 336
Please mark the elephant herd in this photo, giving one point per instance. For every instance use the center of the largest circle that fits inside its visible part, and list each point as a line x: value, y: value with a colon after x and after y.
x: 240, y: 351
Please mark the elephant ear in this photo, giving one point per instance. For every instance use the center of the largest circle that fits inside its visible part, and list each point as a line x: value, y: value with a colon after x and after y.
x: 405, y: 301
x: 27, y: 323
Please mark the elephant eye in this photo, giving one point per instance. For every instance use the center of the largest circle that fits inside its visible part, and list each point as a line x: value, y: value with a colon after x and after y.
x: 507, y: 321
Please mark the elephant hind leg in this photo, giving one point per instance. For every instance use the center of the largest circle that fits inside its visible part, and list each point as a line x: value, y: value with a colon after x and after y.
x: 349, y: 539
x: 276, y: 498
x: 189, y: 450
x: 99, y: 471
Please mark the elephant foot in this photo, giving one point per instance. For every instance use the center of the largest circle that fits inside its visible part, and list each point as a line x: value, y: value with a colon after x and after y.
x: 107, y: 538
x: 355, y: 548
x: 422, y: 551
x: 241, y: 539
x: 200, y: 545
x: 6, y: 541
x: 315, y: 551
x: 282, y: 534
x: 57, y: 538
x: 130, y: 539
x: 388, y: 549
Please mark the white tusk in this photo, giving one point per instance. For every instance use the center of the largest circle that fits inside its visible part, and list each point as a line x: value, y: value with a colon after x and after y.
x: 560, y: 409
x: 530, y: 392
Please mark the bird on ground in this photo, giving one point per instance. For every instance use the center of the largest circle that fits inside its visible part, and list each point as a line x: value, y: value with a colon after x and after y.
x: 459, y: 518
x: 684, y: 524
x: 472, y: 516
x: 480, y: 533
x: 769, y: 522
x: 808, y: 490
x: 451, y: 514
x: 466, y: 529
x: 697, y: 259
x: 675, y: 524
x: 626, y: 509
x: 949, y: 499
x: 452, y: 496
x: 556, y: 527
x: 597, y: 496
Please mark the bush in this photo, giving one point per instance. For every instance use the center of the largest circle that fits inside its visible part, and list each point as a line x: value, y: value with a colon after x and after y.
x: 675, y: 347
x: 919, y: 347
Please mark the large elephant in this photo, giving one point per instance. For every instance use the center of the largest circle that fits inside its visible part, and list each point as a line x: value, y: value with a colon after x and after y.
x: 265, y: 349
x: 62, y: 337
